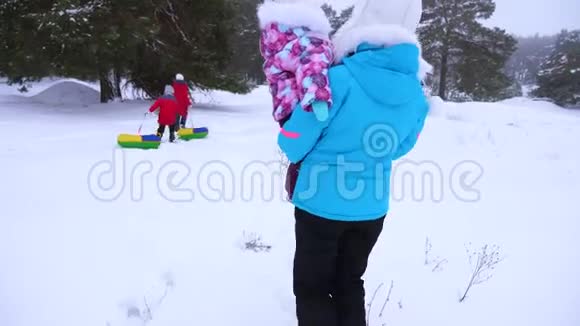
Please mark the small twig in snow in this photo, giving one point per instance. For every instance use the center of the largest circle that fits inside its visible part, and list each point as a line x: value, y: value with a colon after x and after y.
x: 437, y: 261
x: 149, y: 315
x: 254, y: 242
x: 387, y: 300
x: 371, y: 303
x: 487, y: 259
x: 438, y: 265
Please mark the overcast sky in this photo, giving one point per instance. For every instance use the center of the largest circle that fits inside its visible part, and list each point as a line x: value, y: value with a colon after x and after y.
x: 525, y: 17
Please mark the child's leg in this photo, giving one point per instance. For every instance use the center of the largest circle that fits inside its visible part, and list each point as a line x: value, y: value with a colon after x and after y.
x: 184, y: 119
x: 172, y: 133
x: 176, y: 125
x: 160, y: 130
x: 314, y: 269
x: 354, y: 249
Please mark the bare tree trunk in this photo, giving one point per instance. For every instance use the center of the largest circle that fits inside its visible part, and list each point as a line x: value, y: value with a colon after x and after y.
x: 117, y: 84
x: 444, y: 70
x: 443, y: 74
x: 106, y: 87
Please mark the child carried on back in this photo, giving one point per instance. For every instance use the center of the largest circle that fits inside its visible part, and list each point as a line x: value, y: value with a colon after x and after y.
x: 295, y: 44
x: 296, y: 47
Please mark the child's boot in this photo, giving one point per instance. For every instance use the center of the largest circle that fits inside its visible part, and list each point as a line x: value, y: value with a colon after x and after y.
x: 183, y: 120
x: 160, y: 131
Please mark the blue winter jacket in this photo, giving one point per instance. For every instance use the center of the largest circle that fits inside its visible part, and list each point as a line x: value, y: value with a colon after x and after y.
x: 379, y: 109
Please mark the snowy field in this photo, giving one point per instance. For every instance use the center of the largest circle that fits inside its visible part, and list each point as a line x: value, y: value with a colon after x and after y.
x: 93, y: 235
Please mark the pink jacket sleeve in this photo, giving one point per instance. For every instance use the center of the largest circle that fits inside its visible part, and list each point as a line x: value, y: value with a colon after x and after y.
x: 312, y: 73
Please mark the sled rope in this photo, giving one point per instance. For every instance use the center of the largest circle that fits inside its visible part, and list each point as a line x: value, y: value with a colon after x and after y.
x: 142, y: 122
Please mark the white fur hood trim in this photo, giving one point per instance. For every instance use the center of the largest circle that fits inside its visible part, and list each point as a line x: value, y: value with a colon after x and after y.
x: 347, y: 40
x: 295, y: 15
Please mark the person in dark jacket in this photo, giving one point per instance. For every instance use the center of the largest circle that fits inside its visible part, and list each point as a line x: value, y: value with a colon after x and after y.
x: 168, y: 113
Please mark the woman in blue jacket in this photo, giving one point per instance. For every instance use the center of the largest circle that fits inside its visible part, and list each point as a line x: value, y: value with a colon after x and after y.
x: 341, y: 195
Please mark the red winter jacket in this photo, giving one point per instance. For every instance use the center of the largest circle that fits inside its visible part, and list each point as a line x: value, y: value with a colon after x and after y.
x: 168, y: 109
x: 182, y: 95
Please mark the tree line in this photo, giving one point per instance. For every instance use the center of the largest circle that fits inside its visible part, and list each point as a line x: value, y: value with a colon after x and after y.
x: 215, y: 44
x: 142, y: 41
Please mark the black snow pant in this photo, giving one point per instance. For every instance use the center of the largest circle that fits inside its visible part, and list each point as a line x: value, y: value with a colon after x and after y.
x: 183, y: 120
x: 330, y: 260
x: 180, y: 122
x: 161, y: 131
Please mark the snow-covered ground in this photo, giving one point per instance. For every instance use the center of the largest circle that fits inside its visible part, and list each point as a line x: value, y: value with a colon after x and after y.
x: 93, y: 235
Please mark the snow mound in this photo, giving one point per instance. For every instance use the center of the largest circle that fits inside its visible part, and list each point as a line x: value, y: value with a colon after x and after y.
x: 436, y: 106
x: 68, y: 93
x: 512, y: 112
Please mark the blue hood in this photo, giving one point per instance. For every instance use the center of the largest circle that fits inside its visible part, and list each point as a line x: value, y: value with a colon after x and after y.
x: 372, y: 65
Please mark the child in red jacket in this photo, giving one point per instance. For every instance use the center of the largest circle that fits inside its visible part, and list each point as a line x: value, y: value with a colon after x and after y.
x: 183, y: 99
x: 168, y: 113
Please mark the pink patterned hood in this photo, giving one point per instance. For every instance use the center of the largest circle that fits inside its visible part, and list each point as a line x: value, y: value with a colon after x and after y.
x: 297, y: 57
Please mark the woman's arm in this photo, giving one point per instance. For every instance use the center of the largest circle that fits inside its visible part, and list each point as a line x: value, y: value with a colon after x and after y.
x: 303, y: 130
x: 411, y: 140
x: 299, y: 134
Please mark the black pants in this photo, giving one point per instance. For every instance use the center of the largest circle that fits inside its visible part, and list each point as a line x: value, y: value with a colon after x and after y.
x: 180, y: 121
x: 161, y: 131
x: 330, y: 260
x: 183, y: 120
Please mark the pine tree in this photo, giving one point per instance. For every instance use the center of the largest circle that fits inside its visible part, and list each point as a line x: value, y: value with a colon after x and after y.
x: 146, y: 42
x: 120, y: 28
x: 468, y: 58
x: 247, y: 61
x: 481, y: 69
x: 66, y: 31
x: 524, y: 64
x: 559, y: 77
x: 189, y: 37
x: 93, y: 39
x: 20, y: 59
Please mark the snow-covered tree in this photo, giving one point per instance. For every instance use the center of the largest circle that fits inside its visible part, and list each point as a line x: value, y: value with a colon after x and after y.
x: 524, y: 64
x: 247, y: 61
x: 20, y: 59
x: 468, y: 58
x: 559, y: 77
x: 146, y: 42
